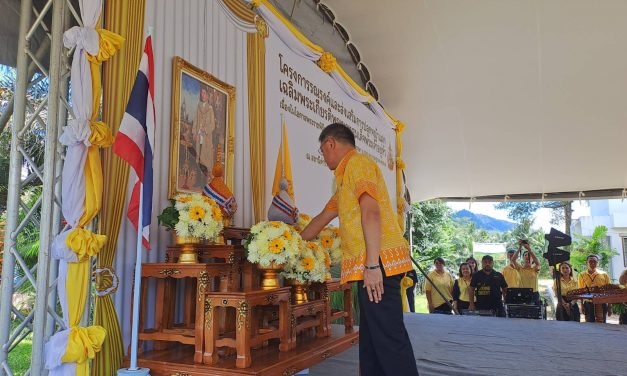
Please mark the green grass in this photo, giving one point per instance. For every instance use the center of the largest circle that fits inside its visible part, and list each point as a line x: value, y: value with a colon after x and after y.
x: 19, y: 358
x: 421, y: 303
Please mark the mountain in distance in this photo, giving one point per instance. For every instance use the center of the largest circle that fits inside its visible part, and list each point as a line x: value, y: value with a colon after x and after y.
x: 484, y: 222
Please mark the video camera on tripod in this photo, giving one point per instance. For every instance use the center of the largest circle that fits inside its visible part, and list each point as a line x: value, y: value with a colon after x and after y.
x: 554, y: 254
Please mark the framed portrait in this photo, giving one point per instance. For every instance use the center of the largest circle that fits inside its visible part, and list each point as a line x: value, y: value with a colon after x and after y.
x: 203, y: 119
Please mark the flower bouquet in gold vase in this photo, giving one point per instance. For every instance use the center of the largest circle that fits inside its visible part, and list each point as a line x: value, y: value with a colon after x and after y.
x: 309, y: 266
x: 271, y: 245
x: 329, y: 240
x: 193, y: 217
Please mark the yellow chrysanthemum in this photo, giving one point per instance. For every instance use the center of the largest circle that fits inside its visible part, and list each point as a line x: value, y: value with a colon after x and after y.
x: 327, y: 62
x: 185, y: 199
x: 276, y: 246
x: 275, y: 224
x: 327, y: 260
x: 217, y: 213
x: 287, y: 234
x: 327, y: 241
x: 308, y: 264
x: 336, y: 231
x: 313, y: 246
x: 196, y: 213
x: 305, y: 217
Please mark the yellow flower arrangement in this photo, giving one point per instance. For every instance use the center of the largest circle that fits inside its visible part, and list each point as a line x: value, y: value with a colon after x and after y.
x: 198, y: 216
x: 329, y: 241
x: 303, y: 221
x: 308, y: 266
x: 327, y: 62
x: 272, y: 241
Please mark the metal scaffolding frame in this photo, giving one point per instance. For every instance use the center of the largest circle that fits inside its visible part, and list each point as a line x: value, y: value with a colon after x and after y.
x: 43, y: 320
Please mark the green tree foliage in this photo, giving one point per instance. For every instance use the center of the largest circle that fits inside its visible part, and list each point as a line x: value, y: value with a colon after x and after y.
x: 594, y: 245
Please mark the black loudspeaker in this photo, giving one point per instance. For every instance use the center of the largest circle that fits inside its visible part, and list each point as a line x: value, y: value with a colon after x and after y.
x: 555, y: 255
x: 557, y: 238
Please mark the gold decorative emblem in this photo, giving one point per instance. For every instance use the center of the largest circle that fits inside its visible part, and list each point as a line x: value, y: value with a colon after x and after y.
x: 242, y: 313
x: 231, y: 258
x: 225, y: 302
x: 181, y: 374
x: 289, y: 371
x: 169, y: 272
x: 208, y: 314
x: 311, y: 310
x: 203, y: 281
x: 271, y: 298
x: 325, y: 355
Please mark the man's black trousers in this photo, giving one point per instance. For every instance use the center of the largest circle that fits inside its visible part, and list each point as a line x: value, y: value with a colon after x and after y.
x: 384, y: 347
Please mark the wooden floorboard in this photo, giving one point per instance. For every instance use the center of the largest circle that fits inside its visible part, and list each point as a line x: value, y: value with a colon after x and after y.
x: 266, y: 361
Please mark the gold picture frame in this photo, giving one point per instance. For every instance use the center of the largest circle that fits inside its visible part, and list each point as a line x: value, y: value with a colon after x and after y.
x: 196, y: 95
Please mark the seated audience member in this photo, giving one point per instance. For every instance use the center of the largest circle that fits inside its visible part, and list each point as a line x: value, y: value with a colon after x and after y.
x: 444, y: 282
x: 567, y: 310
x: 511, y: 271
x: 473, y: 264
x: 488, y: 288
x: 623, y: 278
x: 461, y: 298
x: 594, y: 278
x: 529, y: 271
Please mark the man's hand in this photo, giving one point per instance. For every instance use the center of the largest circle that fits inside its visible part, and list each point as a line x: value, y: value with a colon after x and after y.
x: 373, y: 283
x: 471, y: 306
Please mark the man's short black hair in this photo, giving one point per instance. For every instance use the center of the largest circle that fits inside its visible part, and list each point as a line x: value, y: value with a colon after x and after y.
x: 440, y: 260
x: 591, y: 256
x: 487, y: 257
x: 511, y: 251
x: 339, y: 132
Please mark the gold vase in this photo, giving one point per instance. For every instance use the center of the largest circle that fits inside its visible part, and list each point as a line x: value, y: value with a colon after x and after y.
x: 299, y: 293
x: 270, y: 275
x: 188, y: 253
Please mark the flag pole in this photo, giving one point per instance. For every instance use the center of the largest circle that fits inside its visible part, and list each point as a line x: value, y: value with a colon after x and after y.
x: 137, y: 282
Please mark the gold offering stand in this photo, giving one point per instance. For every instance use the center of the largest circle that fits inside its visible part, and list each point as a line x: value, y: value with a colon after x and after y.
x: 213, y: 318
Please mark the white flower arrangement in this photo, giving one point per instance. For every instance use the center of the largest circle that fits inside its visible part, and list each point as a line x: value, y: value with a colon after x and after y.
x: 199, y: 216
x: 309, y: 266
x: 329, y: 240
x: 272, y: 241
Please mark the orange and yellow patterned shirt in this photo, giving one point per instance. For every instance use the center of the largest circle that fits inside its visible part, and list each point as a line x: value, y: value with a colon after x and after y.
x: 355, y: 175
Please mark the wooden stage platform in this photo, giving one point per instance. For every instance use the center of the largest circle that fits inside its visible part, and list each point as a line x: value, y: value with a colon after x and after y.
x: 267, y: 361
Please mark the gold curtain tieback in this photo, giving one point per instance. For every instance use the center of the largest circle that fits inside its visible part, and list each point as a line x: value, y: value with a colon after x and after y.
x: 327, y: 62
x: 106, y: 281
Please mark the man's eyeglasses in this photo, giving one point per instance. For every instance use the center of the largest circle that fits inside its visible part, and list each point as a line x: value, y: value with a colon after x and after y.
x: 321, y: 145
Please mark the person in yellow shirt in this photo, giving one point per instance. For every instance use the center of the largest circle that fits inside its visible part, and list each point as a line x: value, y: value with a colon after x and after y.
x: 374, y: 252
x: 594, y: 278
x: 511, y: 271
x: 529, y: 270
x: 444, y: 283
x: 567, y: 309
x: 461, y: 296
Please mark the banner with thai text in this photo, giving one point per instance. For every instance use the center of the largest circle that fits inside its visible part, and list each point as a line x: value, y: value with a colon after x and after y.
x: 309, y: 99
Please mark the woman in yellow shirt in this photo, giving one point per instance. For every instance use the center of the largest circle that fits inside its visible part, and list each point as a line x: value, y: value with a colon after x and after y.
x: 461, y: 298
x: 444, y: 282
x: 567, y: 310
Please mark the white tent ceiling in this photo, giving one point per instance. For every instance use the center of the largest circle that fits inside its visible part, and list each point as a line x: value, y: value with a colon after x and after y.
x: 500, y: 97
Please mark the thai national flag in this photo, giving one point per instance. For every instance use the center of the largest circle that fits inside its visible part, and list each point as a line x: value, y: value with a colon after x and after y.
x: 135, y: 139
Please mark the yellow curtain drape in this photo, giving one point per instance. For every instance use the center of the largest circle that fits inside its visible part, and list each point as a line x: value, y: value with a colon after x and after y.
x: 125, y: 18
x: 400, y: 166
x: 256, y: 48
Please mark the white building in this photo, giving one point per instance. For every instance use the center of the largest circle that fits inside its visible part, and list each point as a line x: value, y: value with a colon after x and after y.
x: 613, y: 215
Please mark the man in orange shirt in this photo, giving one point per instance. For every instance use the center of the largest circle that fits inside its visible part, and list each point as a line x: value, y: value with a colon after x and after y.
x: 374, y: 253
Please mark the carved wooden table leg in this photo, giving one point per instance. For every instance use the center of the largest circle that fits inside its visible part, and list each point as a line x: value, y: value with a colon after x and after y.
x: 212, y: 333
x: 284, y: 326
x: 348, y: 307
x: 242, y: 336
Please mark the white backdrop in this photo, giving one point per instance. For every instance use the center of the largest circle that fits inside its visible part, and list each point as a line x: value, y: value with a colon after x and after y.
x: 290, y: 77
x: 200, y: 32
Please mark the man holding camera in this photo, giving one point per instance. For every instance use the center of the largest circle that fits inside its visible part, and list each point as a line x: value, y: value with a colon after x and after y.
x: 511, y: 271
x: 530, y: 270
